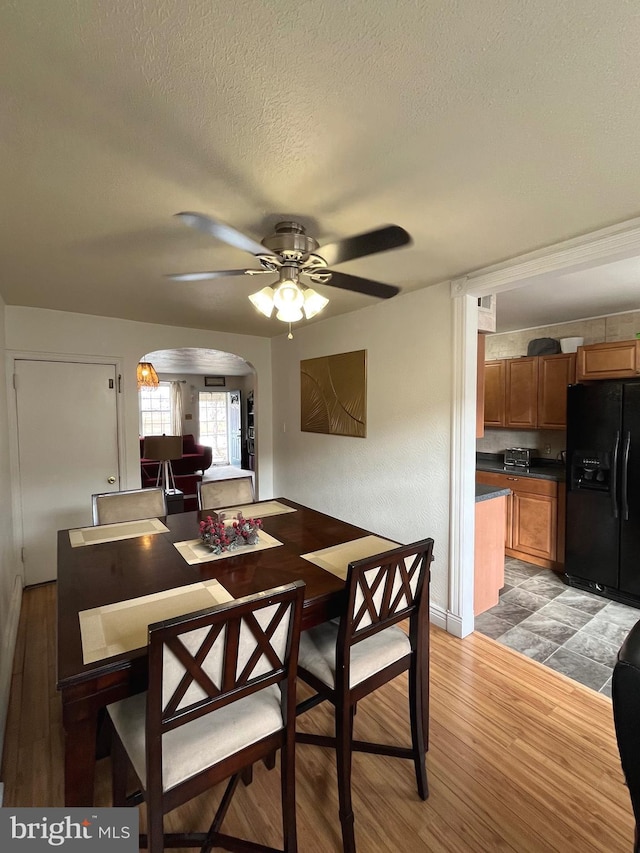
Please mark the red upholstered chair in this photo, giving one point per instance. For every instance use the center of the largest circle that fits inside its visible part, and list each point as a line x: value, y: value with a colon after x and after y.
x: 221, y: 697
x: 345, y: 660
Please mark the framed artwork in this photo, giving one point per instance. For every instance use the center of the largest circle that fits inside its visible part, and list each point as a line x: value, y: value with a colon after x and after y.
x: 333, y: 394
x: 214, y: 382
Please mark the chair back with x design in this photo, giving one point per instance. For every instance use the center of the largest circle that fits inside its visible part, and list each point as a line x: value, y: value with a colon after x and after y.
x: 383, y: 590
x: 221, y: 696
x: 345, y: 662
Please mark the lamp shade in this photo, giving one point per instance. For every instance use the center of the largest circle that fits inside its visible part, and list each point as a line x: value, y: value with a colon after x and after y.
x: 162, y: 448
x: 147, y: 375
x: 263, y: 300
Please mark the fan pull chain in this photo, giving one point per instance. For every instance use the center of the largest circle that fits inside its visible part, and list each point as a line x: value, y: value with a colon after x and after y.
x: 290, y: 335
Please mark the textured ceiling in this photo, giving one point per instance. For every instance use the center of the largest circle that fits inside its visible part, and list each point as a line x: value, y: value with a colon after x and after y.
x: 486, y: 129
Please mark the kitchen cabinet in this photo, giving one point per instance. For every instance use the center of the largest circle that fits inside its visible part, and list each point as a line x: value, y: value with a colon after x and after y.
x: 528, y: 392
x: 612, y: 360
x: 494, y: 393
x: 555, y: 373
x: 521, y: 392
x: 488, y: 551
x: 533, y: 512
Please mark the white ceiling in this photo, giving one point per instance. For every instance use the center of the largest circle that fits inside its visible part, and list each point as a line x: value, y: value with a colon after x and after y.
x: 486, y: 129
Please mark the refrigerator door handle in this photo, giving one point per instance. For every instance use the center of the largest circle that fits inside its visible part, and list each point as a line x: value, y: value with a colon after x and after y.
x: 614, y: 476
x: 625, y: 478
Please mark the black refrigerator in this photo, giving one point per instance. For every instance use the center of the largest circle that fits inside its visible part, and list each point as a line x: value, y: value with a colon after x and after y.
x: 603, y: 489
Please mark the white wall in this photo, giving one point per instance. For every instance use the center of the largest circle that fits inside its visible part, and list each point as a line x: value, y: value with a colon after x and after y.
x: 61, y: 333
x: 394, y: 482
x: 10, y: 577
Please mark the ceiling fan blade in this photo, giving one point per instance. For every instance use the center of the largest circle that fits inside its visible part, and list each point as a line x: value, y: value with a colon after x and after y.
x: 380, y: 240
x: 222, y: 232
x: 354, y: 282
x: 201, y: 276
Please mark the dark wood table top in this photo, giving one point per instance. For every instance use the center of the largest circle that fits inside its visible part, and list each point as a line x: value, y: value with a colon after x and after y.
x: 100, y: 574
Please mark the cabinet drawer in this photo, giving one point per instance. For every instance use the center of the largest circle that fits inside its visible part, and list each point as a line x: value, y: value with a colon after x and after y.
x: 531, y: 485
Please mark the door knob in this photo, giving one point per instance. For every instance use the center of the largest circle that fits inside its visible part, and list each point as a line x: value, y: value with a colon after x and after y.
x: 111, y: 480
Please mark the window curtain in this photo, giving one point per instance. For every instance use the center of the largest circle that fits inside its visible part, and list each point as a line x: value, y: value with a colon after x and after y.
x: 176, y: 408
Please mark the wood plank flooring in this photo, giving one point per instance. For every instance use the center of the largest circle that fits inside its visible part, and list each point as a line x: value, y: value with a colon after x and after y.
x: 521, y: 759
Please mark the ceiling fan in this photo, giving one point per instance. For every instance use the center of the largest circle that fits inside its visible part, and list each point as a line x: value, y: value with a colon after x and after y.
x: 291, y: 253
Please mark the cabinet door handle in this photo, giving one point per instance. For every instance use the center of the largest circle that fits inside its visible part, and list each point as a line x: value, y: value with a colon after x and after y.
x: 515, y: 479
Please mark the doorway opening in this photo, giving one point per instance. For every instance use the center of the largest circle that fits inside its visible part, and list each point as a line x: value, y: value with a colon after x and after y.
x: 219, y: 420
x: 214, y: 424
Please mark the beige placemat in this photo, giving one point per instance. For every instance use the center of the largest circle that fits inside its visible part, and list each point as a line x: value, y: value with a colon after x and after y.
x: 336, y: 558
x: 193, y: 551
x: 114, y: 532
x: 122, y: 627
x: 257, y: 510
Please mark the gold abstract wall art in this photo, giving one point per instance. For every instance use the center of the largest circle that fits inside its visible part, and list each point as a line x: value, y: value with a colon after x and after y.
x: 333, y: 394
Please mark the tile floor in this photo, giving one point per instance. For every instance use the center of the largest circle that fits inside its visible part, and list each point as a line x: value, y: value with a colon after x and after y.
x: 571, y: 631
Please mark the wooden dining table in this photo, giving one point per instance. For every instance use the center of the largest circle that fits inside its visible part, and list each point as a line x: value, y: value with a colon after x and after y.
x: 107, y: 573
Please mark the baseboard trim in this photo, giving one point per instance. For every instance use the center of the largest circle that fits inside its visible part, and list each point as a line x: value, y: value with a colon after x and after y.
x: 6, y: 661
x: 438, y: 616
x: 447, y: 620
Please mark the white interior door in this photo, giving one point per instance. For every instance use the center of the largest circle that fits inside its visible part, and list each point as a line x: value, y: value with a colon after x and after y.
x: 67, y: 451
x: 235, y: 429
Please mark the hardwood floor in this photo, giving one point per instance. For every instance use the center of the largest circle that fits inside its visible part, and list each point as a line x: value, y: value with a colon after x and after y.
x: 521, y: 758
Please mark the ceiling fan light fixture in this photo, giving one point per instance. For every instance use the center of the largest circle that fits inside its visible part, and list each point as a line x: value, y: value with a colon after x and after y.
x: 313, y: 303
x: 288, y: 295
x: 263, y: 300
x: 289, y: 314
x: 146, y: 375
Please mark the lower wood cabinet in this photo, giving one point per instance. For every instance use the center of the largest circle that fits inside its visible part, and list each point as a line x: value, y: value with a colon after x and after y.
x: 534, y: 516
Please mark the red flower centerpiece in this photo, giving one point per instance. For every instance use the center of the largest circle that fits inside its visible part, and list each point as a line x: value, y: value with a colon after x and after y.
x: 219, y: 537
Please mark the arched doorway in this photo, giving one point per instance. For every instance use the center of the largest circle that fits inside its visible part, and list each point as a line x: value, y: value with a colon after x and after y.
x: 207, y: 397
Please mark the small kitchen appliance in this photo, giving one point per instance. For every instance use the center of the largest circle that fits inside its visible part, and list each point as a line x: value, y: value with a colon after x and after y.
x: 518, y: 457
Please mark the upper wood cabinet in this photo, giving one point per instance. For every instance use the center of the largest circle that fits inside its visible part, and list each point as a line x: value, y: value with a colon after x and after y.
x: 555, y: 372
x: 613, y: 360
x: 521, y: 397
x: 494, y: 393
x: 529, y: 392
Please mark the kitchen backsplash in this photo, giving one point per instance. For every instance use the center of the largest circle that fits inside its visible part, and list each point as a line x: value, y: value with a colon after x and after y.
x: 615, y: 327
x: 497, y: 440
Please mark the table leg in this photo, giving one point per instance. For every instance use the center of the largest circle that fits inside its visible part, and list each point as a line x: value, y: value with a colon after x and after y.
x: 79, y: 761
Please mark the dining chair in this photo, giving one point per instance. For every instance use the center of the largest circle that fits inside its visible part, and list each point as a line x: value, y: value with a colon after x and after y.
x: 347, y: 658
x: 130, y: 505
x: 213, y: 494
x: 221, y: 696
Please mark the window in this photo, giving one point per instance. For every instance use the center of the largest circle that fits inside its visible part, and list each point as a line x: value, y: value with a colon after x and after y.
x: 155, y: 410
x: 213, y: 424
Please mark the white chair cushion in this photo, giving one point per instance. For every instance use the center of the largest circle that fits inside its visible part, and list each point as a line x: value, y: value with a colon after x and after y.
x: 194, y: 747
x: 318, y: 652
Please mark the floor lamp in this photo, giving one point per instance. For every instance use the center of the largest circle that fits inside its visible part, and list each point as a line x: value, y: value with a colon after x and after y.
x: 162, y: 449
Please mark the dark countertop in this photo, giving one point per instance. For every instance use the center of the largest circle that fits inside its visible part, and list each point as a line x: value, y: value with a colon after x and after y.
x: 486, y: 493
x: 544, y: 469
